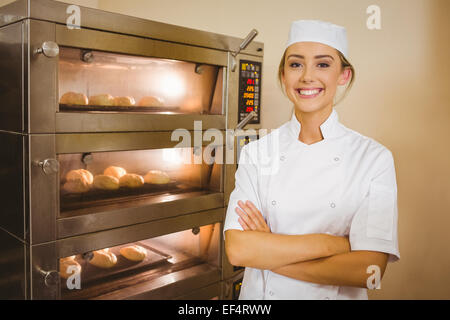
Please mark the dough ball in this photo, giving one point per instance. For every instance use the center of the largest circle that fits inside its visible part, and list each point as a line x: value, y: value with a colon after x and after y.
x: 134, y: 253
x: 124, y: 101
x: 74, y: 98
x: 150, y: 102
x: 103, y: 259
x: 115, y: 172
x: 101, y: 100
x: 106, y: 182
x: 156, y: 177
x: 131, y: 180
x: 77, y: 186
x: 64, y: 270
x: 67, y: 258
x: 80, y: 174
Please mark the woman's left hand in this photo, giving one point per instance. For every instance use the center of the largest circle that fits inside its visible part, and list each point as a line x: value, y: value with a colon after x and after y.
x: 250, y: 217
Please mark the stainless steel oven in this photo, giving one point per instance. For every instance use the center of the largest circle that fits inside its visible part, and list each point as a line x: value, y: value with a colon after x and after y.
x: 115, y: 138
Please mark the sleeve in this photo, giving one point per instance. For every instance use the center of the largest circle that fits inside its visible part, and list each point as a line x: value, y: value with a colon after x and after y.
x: 245, y: 189
x: 374, y: 225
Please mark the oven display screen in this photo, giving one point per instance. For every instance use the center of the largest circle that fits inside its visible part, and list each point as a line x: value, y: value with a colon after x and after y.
x: 249, y: 90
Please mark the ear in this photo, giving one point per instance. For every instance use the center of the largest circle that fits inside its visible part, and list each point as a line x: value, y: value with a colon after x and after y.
x: 345, y: 76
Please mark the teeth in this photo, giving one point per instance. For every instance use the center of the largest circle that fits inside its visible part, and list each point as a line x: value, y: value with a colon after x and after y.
x: 309, y: 92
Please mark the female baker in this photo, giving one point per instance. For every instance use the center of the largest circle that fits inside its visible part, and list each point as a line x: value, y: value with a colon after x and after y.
x: 314, y: 211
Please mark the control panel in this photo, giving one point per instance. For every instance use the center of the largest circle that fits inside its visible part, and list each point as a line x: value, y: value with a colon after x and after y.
x: 249, y: 90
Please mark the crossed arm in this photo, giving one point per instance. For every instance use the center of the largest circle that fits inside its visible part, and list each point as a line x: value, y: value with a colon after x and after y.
x: 317, y: 258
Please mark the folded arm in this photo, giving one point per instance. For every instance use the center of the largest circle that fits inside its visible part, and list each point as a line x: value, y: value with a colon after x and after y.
x: 348, y: 269
x: 265, y: 250
x: 320, y: 258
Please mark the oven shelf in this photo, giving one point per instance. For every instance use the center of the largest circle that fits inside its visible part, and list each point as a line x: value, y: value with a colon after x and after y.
x: 141, y: 284
x: 91, y: 108
x: 74, y: 201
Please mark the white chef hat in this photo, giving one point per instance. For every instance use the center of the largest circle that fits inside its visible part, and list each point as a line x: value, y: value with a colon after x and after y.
x: 319, y: 31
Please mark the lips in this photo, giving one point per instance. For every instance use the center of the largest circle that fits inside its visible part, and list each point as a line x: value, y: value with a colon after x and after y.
x: 309, y: 92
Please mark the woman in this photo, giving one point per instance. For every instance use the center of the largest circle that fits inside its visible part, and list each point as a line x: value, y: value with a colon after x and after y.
x: 314, y: 211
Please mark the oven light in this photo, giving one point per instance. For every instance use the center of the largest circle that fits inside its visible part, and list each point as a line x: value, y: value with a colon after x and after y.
x: 172, y: 156
x: 172, y: 86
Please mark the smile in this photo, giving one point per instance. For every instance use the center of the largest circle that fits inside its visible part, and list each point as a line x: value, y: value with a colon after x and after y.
x: 309, y: 93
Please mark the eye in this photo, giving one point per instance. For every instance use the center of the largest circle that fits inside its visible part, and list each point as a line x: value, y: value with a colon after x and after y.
x: 295, y: 65
x: 323, y: 65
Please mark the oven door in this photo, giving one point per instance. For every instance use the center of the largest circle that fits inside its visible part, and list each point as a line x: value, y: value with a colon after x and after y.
x: 100, y: 81
x: 174, y: 258
x: 73, y: 190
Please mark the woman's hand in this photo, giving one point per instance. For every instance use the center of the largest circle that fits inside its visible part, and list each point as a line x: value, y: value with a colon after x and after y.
x: 250, y: 217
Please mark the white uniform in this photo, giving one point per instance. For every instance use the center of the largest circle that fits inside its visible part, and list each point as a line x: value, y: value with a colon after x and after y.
x: 342, y: 185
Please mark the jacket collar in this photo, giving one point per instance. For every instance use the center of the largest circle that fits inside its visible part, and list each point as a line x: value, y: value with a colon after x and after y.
x: 329, y: 127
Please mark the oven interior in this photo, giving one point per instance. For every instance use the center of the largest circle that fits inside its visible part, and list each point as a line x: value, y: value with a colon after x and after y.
x: 111, y: 82
x: 115, y: 271
x: 93, y: 182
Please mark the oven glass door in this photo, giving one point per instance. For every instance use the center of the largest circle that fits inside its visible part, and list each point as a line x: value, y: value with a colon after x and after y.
x: 100, y: 181
x: 96, y: 81
x: 163, y: 267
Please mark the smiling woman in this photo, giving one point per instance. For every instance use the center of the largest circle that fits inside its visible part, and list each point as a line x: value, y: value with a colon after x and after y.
x: 345, y: 64
x: 314, y: 207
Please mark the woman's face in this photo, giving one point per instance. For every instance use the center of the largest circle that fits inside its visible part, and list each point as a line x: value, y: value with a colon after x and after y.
x: 312, y: 72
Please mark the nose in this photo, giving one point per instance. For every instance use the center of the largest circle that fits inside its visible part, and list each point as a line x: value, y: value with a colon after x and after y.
x: 307, y: 75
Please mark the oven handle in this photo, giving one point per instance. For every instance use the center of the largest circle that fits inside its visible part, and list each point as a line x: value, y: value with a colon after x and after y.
x: 242, y: 46
x: 240, y: 126
x: 51, y: 278
x: 246, y: 120
x: 49, y: 49
x: 49, y: 166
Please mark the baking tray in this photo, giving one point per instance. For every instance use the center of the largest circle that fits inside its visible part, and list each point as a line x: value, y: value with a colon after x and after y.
x: 74, y: 200
x: 91, y: 273
x: 81, y: 108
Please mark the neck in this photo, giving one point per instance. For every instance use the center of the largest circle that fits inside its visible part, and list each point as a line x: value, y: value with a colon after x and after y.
x: 310, y: 124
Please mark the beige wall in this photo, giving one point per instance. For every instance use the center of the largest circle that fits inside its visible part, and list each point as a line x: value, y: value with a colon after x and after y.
x: 401, y: 98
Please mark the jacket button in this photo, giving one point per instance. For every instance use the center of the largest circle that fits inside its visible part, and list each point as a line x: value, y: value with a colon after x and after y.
x: 282, y: 158
x: 336, y: 159
x: 274, y: 202
x: 333, y: 205
x: 271, y: 293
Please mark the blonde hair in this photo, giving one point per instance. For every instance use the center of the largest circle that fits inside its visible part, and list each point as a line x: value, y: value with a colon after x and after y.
x: 344, y: 64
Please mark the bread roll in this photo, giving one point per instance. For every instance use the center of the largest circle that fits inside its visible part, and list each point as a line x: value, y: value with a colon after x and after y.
x: 124, y: 101
x: 64, y: 265
x: 106, y: 182
x: 67, y: 258
x: 78, y: 181
x: 77, y: 186
x: 150, y: 102
x: 74, y: 98
x: 115, y: 172
x: 80, y: 174
x: 101, y: 100
x: 103, y: 259
x: 131, y: 180
x: 156, y: 177
x: 134, y: 253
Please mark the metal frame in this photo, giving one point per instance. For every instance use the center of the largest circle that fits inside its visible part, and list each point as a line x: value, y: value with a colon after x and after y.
x: 121, y: 24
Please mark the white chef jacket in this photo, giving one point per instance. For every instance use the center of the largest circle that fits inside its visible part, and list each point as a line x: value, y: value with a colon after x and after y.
x: 342, y: 185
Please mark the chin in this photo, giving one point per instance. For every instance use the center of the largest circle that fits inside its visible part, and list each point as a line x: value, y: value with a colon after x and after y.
x: 308, y: 108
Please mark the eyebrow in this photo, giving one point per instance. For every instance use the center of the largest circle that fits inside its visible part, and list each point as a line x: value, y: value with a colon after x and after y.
x: 316, y: 57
